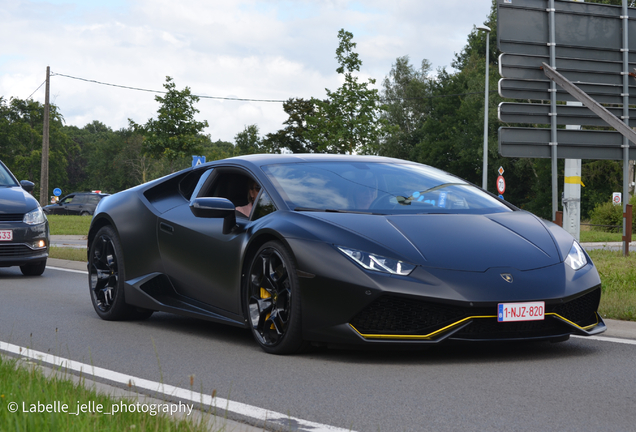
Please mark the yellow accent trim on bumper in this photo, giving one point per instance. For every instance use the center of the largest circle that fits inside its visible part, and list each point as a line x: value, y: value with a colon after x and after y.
x: 417, y: 337
x: 591, y: 326
x: 455, y: 324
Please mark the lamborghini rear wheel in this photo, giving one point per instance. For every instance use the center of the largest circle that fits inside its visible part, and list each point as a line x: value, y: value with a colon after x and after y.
x: 106, y: 278
x: 273, y: 301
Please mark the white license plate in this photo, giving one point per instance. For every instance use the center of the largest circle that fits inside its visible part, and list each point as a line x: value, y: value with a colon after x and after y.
x: 6, y: 235
x: 528, y: 311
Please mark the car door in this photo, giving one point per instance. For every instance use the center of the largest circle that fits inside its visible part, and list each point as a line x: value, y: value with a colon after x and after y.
x: 76, y: 206
x: 62, y: 207
x: 202, y: 262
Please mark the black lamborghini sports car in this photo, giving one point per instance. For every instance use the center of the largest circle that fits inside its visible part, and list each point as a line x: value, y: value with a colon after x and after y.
x: 338, y: 250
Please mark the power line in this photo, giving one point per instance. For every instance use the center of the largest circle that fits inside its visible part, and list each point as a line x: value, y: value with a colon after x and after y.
x: 164, y: 92
x: 244, y: 99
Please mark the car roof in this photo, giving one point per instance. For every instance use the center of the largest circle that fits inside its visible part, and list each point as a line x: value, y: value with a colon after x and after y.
x: 260, y: 159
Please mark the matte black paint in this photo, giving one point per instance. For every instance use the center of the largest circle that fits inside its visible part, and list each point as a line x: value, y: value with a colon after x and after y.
x: 178, y: 262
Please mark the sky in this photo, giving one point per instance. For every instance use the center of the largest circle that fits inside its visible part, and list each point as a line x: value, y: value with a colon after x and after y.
x: 251, y: 49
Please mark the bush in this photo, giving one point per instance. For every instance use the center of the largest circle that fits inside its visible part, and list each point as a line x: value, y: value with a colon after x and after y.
x: 610, y: 214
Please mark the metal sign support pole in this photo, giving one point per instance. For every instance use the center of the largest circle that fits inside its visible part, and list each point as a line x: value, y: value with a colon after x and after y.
x: 553, y: 113
x: 625, y: 50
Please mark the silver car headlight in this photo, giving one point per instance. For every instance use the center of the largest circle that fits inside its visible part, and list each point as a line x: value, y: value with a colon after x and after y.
x: 576, y: 258
x: 34, y: 217
x: 378, y: 263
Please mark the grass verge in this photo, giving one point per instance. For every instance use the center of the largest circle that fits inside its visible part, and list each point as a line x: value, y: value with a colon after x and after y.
x: 72, y: 254
x: 69, y: 225
x: 25, y: 393
x: 618, y: 275
x: 600, y: 237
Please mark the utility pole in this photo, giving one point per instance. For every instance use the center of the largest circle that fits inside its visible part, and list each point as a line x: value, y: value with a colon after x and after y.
x: 44, y: 174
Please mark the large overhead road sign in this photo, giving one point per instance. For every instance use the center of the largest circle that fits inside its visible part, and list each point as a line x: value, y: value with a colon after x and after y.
x: 587, y: 44
x: 537, y: 113
x: 588, y: 41
x: 518, y: 66
x: 573, y: 144
x: 540, y: 90
x: 583, y: 30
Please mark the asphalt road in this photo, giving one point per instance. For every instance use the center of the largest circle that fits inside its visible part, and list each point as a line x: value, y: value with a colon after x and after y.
x: 579, y: 385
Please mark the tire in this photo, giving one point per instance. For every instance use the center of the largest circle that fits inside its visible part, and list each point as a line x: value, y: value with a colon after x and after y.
x: 106, y: 276
x: 272, y: 300
x: 85, y: 213
x: 33, y: 269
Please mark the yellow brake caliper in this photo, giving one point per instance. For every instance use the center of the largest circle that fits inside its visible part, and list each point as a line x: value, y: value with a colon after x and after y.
x: 264, y: 295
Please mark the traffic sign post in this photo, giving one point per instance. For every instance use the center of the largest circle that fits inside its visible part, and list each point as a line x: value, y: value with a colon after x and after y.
x: 617, y: 198
x: 501, y: 185
x: 197, y: 160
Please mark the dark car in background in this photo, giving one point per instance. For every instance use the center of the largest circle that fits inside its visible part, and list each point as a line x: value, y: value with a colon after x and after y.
x: 77, y: 203
x: 24, y: 229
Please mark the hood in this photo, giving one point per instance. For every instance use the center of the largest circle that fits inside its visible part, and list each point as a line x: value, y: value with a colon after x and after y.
x: 16, y: 200
x: 464, y: 242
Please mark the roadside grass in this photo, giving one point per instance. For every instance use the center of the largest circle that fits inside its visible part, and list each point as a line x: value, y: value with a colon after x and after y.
x: 618, y: 275
x: 30, y: 389
x: 600, y: 237
x: 72, y: 254
x: 69, y: 225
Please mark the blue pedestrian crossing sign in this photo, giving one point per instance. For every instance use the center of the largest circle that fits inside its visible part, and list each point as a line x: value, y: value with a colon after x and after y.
x: 197, y: 160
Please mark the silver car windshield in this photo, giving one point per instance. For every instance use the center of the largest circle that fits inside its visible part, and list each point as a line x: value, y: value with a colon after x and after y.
x: 385, y: 188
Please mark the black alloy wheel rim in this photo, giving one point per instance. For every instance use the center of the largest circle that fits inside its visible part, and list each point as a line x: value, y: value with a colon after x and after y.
x: 269, y: 297
x: 104, y: 273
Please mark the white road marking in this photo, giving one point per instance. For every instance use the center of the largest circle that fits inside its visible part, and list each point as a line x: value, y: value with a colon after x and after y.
x: 608, y: 339
x: 262, y: 416
x: 67, y: 270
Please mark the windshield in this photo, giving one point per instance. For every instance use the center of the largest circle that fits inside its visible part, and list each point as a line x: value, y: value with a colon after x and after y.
x: 385, y: 188
x: 6, y: 179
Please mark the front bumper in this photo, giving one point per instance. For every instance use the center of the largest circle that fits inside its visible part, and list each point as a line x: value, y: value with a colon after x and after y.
x: 401, y: 319
x: 25, y: 247
x: 343, y: 304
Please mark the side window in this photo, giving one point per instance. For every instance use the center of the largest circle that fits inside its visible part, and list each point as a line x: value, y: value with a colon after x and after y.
x: 68, y: 199
x: 264, y: 206
x: 80, y: 199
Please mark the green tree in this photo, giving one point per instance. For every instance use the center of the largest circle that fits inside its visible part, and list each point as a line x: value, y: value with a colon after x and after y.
x: 21, y: 125
x: 407, y: 98
x: 293, y: 137
x: 349, y: 120
x: 175, y: 133
x: 248, y: 141
x: 217, y: 150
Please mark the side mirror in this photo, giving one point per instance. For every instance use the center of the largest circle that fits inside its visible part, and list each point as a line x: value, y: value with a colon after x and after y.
x: 217, y: 208
x: 27, y: 185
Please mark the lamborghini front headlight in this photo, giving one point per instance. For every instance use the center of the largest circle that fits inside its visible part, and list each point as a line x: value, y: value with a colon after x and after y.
x: 377, y: 263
